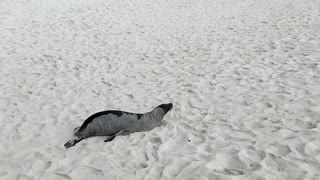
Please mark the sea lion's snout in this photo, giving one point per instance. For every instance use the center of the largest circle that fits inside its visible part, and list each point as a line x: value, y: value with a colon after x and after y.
x: 170, y: 105
x: 166, y: 107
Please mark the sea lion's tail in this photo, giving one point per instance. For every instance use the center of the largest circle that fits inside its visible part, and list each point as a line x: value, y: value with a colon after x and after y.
x: 73, y: 141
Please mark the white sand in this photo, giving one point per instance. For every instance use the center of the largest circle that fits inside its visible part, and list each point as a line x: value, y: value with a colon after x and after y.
x: 244, y: 77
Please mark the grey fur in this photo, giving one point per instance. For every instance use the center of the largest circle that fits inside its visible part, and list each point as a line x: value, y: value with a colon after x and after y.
x: 115, y: 123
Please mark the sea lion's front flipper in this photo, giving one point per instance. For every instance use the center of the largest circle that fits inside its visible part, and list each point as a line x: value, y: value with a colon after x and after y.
x: 121, y: 132
x: 109, y: 138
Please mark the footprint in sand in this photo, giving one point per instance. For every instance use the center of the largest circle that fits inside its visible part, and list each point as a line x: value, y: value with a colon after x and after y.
x: 40, y: 165
x: 52, y: 175
x: 84, y: 172
x: 225, y: 171
x: 312, y: 148
x: 279, y: 150
x: 231, y: 172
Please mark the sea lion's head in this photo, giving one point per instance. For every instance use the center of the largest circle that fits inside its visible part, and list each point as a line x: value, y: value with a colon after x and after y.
x: 166, y: 107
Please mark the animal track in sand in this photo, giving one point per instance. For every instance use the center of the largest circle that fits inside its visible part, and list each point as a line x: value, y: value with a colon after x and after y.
x: 252, y: 154
x: 53, y: 175
x: 40, y: 165
x: 83, y: 172
x: 205, y: 172
x: 312, y: 148
x: 279, y: 150
x: 156, y: 140
x: 259, y: 57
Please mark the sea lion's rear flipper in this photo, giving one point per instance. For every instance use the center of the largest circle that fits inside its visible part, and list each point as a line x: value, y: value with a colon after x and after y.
x: 121, y: 132
x: 72, y: 142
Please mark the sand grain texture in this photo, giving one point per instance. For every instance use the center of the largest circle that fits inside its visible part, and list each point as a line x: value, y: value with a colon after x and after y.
x: 244, y: 77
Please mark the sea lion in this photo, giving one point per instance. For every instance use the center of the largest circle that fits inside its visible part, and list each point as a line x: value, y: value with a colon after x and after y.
x: 114, y: 123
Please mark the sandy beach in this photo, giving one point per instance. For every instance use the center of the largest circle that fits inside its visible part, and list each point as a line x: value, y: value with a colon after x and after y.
x: 244, y: 78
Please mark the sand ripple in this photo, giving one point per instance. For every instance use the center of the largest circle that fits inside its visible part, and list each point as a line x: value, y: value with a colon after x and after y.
x: 243, y: 77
